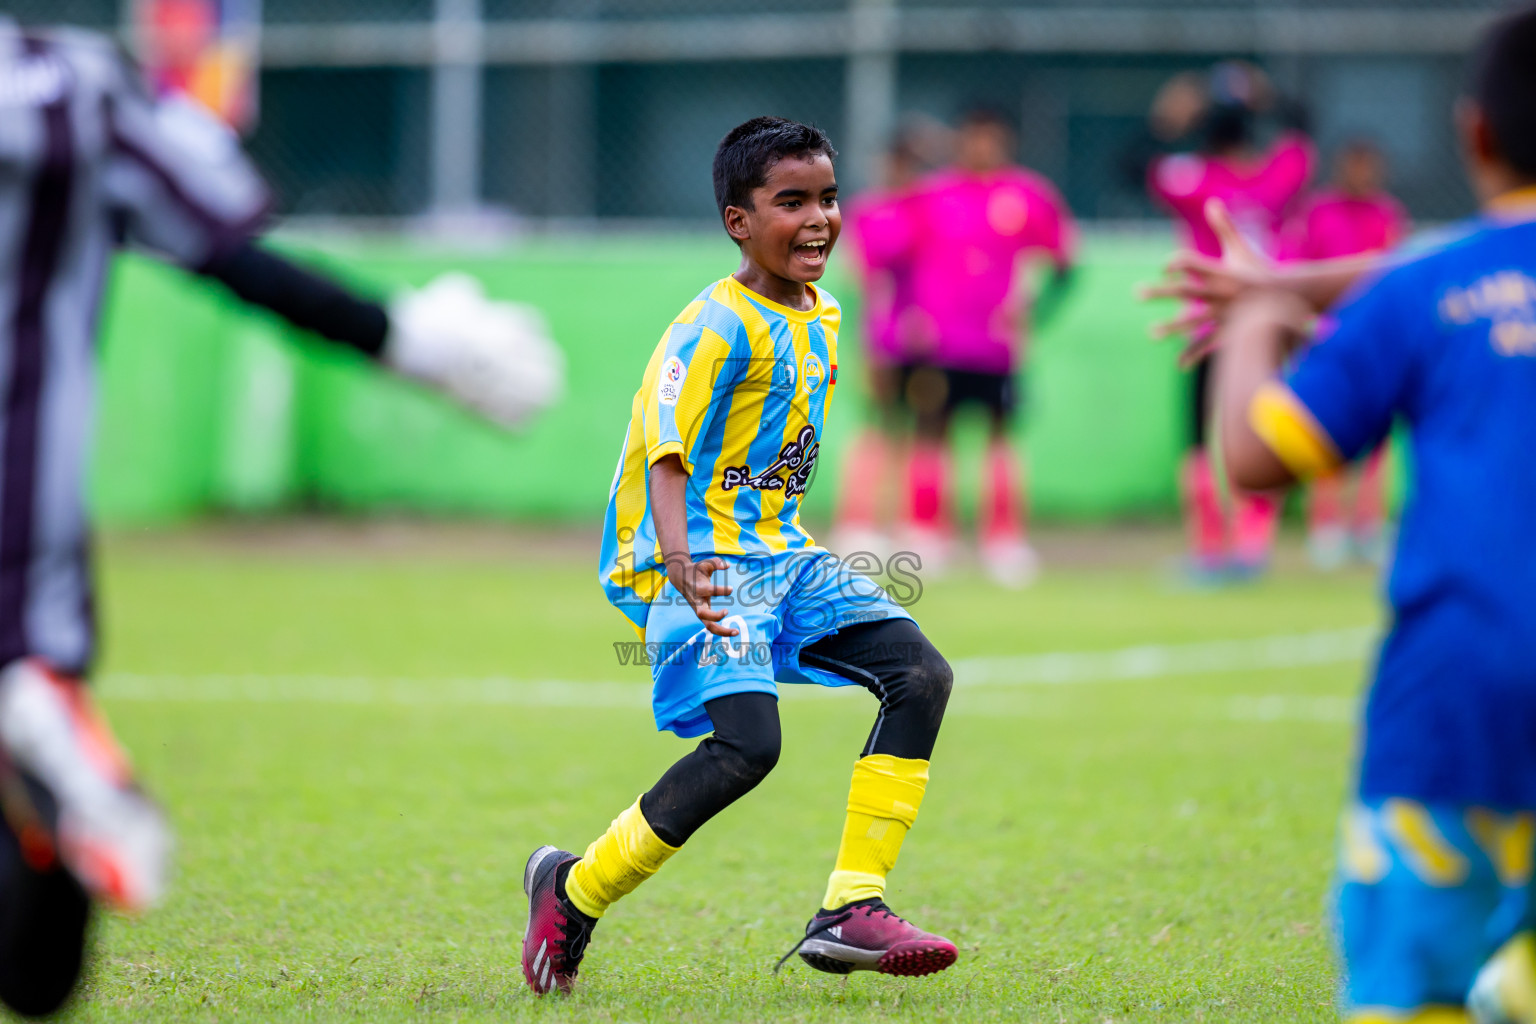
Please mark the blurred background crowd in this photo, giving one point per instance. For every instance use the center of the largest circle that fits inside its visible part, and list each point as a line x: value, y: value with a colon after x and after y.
x: 556, y: 146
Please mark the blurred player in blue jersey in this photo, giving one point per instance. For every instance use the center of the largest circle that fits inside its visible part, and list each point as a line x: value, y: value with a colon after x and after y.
x: 89, y: 162
x: 704, y: 554
x: 1434, y: 875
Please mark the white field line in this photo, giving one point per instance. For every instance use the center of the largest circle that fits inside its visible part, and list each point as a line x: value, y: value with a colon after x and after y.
x: 1156, y: 661
x: 1059, y: 668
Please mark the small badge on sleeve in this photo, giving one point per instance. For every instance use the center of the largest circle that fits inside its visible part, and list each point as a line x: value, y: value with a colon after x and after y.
x: 670, y: 387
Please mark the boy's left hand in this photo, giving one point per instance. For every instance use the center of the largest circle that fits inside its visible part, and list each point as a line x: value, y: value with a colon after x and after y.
x: 692, y: 580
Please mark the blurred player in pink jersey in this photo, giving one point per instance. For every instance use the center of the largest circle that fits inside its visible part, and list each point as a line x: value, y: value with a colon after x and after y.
x: 977, y: 226
x: 1353, y: 216
x: 1259, y: 187
x: 881, y: 225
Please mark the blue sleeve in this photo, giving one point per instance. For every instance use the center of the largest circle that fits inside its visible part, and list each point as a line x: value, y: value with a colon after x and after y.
x: 1355, y: 378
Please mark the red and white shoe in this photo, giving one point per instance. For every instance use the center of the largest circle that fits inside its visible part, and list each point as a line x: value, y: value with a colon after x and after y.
x: 557, y: 934
x: 869, y: 936
x: 101, y: 825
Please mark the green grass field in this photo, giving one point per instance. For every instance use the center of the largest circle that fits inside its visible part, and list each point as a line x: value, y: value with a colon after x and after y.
x: 360, y: 738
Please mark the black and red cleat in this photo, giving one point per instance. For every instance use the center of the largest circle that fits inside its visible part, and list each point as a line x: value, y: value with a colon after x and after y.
x: 869, y: 936
x: 557, y: 934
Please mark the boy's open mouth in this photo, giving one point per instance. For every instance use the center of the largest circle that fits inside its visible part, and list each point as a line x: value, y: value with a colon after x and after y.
x: 814, y: 253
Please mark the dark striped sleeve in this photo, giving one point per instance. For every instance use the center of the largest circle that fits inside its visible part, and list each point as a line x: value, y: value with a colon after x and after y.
x: 177, y: 178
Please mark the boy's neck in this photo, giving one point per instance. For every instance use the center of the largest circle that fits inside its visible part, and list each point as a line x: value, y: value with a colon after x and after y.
x: 1518, y: 201
x: 794, y: 294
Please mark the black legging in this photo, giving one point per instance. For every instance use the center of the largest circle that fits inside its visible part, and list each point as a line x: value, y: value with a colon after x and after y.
x: 44, y: 921
x: 892, y: 659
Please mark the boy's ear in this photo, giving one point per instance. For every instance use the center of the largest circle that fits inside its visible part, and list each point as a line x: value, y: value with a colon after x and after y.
x: 1477, y: 138
x: 736, y: 224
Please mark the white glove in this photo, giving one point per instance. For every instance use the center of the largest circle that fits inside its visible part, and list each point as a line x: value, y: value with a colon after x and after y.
x: 494, y: 357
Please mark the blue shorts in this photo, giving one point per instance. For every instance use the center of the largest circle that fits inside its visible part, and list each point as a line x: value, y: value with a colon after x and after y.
x: 1425, y: 895
x: 779, y: 604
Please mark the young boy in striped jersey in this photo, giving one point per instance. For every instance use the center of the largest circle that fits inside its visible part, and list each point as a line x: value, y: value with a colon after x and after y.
x: 704, y: 553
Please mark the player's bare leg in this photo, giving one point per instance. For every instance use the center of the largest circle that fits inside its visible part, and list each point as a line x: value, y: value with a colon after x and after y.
x: 867, y: 482
x: 1205, y: 519
x: 1327, y: 536
x: 927, y: 530
x: 1368, y: 530
x: 1256, y: 520
x: 1006, y: 554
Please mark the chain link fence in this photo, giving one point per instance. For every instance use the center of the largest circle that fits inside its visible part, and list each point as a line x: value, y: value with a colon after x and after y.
x: 610, y: 109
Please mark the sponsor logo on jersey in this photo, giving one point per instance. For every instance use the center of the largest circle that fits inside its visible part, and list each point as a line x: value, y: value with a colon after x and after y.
x: 784, y: 375
x: 811, y: 373
x: 798, y: 458
x: 670, y: 387
x: 1007, y: 211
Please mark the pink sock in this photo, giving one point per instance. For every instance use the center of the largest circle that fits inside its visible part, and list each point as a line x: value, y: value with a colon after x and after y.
x: 865, y: 481
x: 1204, y: 518
x: 1002, y: 511
x: 1325, y: 502
x: 1370, y: 499
x: 928, y: 474
x: 1258, y: 515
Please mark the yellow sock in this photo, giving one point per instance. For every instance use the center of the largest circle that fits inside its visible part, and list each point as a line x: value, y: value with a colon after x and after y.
x: 621, y: 858
x: 882, y: 805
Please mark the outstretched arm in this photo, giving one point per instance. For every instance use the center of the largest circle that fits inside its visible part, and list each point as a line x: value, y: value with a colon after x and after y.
x: 1260, y: 330
x: 302, y: 297
x: 494, y: 357
x: 1213, y: 286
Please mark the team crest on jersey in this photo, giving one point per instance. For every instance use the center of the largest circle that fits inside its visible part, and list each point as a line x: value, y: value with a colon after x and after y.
x: 670, y: 387
x: 811, y: 373
x: 798, y: 456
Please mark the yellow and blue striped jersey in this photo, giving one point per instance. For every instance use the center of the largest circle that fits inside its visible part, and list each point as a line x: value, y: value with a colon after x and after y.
x: 737, y: 388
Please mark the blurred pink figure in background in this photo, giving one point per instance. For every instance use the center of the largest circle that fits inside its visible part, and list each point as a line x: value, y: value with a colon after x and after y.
x: 880, y: 223
x: 977, y: 226
x: 1355, y: 215
x: 1258, y: 187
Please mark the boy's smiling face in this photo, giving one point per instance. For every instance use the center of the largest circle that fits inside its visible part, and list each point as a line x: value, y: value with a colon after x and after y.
x: 793, y: 224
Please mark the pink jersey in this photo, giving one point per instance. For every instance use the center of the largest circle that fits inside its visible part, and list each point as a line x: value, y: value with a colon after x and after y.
x: 970, y: 234
x: 1259, y: 193
x: 1334, y: 223
x: 881, y: 223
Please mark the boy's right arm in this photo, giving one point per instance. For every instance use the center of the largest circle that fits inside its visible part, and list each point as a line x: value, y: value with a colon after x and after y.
x: 1213, y: 285
x: 669, y: 513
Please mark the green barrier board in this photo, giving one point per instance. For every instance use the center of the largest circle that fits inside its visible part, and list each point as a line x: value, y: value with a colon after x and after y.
x: 207, y: 406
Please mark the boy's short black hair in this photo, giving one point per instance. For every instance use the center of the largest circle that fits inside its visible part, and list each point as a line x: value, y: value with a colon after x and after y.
x: 748, y: 151
x: 1504, y: 86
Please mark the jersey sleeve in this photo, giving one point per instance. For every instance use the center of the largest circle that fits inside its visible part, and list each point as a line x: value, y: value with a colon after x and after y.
x: 690, y: 376
x: 1340, y: 396
x: 1287, y: 171
x: 1054, y: 229
x: 176, y: 178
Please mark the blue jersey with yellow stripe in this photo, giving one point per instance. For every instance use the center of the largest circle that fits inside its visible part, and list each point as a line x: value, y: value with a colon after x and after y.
x: 737, y: 388
x: 1446, y: 343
